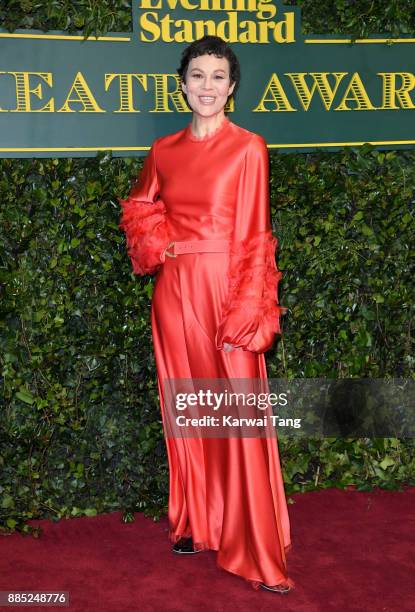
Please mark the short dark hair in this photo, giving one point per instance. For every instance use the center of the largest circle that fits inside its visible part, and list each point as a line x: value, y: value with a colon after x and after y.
x: 211, y: 45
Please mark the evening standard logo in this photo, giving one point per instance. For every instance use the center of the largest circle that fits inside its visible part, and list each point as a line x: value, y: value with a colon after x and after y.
x: 243, y: 21
x: 59, y: 97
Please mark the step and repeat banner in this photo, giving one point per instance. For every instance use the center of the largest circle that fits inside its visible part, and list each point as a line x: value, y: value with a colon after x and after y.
x: 64, y: 96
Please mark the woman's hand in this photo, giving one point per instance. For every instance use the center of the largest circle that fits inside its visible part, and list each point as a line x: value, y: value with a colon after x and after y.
x: 228, y: 348
x: 166, y: 252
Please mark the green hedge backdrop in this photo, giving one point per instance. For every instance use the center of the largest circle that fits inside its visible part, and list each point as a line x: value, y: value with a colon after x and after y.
x: 80, y: 429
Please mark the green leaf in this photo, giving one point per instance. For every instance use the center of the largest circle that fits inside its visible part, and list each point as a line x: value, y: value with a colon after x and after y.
x: 90, y: 512
x: 25, y: 396
x: 386, y: 462
x: 7, y: 501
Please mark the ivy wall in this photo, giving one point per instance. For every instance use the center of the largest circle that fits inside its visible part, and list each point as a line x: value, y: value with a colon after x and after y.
x: 80, y: 429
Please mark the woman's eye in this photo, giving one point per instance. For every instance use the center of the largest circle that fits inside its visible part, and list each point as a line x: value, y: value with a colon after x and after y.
x: 218, y: 76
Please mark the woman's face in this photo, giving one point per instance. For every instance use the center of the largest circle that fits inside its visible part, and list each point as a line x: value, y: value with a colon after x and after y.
x: 207, y: 84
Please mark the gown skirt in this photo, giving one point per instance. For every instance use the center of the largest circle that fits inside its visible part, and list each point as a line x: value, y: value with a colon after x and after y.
x: 226, y: 493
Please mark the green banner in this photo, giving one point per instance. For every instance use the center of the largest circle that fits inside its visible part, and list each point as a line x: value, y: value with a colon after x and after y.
x: 64, y: 96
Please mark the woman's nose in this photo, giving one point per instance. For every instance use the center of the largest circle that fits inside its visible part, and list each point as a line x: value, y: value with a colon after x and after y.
x: 207, y: 83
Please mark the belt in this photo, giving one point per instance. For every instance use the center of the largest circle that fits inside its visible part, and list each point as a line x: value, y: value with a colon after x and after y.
x: 200, y: 246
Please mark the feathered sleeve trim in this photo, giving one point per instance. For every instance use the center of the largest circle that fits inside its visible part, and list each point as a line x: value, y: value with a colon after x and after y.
x: 146, y: 230
x: 251, y: 316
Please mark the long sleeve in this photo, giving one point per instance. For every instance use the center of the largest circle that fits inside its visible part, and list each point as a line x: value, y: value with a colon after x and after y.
x: 144, y: 220
x: 251, y: 315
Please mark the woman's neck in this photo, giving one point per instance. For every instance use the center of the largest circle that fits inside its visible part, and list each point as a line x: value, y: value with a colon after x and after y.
x: 204, y: 126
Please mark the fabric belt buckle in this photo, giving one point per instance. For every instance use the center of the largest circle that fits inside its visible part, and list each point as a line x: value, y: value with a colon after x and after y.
x: 182, y: 247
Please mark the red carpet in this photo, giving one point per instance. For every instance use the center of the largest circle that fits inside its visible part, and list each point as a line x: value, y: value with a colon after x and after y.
x: 351, y: 551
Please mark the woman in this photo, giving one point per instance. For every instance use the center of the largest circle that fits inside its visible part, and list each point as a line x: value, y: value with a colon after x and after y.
x: 199, y: 216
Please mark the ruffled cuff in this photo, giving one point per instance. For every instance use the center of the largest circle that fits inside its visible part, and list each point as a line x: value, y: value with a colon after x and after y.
x: 147, y: 236
x: 251, y: 316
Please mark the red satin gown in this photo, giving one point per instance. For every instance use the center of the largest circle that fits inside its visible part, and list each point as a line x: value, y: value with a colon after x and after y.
x: 227, y: 493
